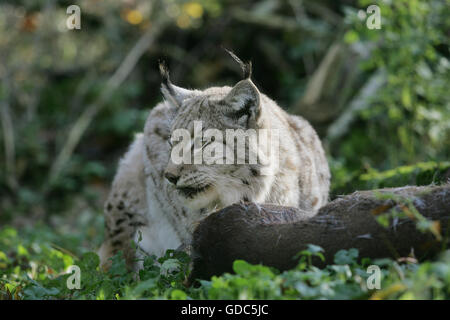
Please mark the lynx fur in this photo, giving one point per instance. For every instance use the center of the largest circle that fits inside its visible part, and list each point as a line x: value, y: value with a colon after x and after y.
x: 157, y: 203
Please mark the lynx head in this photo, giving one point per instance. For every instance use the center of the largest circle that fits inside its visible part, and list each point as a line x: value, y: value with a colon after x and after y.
x: 208, y: 164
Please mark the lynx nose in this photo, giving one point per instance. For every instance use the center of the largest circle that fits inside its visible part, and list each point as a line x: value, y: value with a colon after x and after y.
x: 171, y: 177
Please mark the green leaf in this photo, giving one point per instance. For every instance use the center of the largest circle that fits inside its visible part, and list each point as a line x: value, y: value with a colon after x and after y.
x: 178, y: 295
x: 169, y: 266
x: 314, y: 249
x: 346, y: 256
x: 89, y: 261
x: 406, y: 97
x: 241, y: 267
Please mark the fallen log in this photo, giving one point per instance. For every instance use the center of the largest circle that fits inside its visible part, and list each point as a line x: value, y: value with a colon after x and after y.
x: 273, y: 235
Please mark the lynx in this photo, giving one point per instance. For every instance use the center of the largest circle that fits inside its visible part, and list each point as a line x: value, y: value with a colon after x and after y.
x: 157, y: 203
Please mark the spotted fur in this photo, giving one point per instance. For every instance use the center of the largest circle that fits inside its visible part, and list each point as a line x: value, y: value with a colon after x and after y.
x: 157, y: 214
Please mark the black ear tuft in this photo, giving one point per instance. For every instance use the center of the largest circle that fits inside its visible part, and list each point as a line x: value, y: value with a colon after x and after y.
x: 164, y: 71
x: 171, y: 92
x: 246, y: 67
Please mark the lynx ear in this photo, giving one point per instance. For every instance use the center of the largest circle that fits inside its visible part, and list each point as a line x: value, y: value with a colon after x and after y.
x: 171, y: 92
x: 243, y: 101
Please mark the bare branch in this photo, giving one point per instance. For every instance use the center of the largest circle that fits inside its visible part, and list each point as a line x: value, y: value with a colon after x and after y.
x: 8, y: 137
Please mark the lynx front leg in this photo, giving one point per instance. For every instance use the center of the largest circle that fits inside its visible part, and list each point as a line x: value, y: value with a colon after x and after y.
x: 125, y: 208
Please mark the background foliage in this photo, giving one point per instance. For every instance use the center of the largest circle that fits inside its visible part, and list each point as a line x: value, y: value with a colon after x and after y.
x: 71, y: 101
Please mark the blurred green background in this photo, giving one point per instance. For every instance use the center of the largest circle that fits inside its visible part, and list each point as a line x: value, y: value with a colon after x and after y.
x: 71, y: 100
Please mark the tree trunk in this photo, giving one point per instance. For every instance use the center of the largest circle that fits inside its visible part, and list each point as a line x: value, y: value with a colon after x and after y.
x: 273, y: 235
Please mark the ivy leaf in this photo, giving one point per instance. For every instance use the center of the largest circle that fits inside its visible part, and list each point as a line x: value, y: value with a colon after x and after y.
x: 89, y: 261
x: 169, y: 266
x: 346, y: 256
